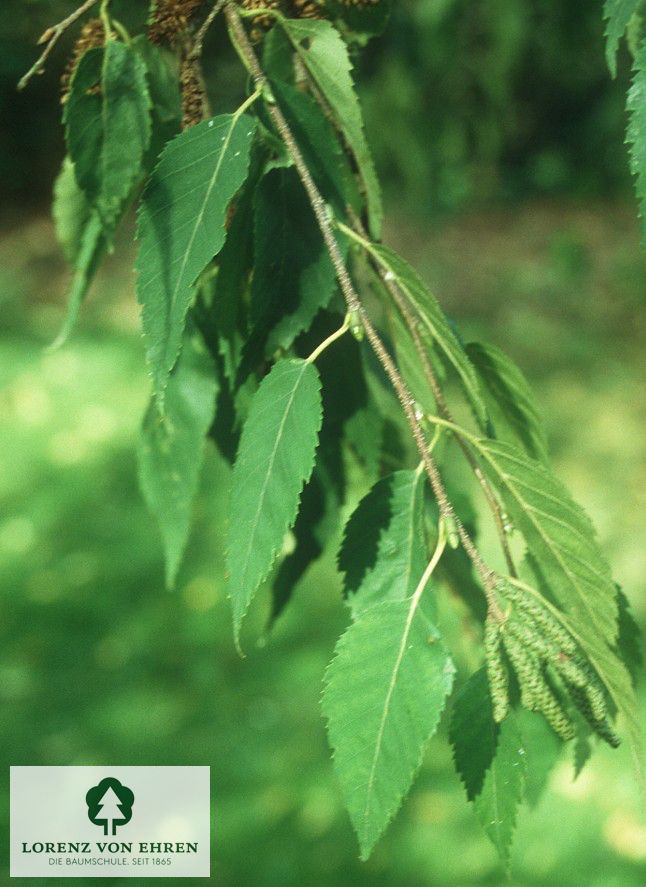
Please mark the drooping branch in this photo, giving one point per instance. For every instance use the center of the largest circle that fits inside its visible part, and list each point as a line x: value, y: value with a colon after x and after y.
x: 353, y: 302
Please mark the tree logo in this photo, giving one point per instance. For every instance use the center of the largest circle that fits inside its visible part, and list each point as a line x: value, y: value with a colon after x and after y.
x: 109, y: 804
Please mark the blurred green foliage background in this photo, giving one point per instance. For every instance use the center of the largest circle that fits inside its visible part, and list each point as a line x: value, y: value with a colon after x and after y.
x: 499, y: 135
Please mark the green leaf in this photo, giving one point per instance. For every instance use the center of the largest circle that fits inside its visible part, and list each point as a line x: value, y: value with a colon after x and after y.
x: 629, y: 640
x: 473, y: 732
x: 383, y: 554
x: 293, y: 274
x: 181, y: 227
x: 497, y: 804
x: 617, y: 13
x: 228, y: 309
x: 559, y: 536
x: 171, y: 448
x: 509, y: 399
x: 107, y: 120
x: 320, y: 147
x: 636, y: 133
x: 309, y: 534
x: 162, y: 70
x: 433, y: 322
x: 542, y: 751
x: 385, y: 691
x: 408, y: 360
x: 325, y: 55
x: 362, y: 19
x: 364, y: 433
x: 582, y: 750
x: 275, y: 459
x: 71, y: 212
x: 81, y: 234
x: 608, y: 664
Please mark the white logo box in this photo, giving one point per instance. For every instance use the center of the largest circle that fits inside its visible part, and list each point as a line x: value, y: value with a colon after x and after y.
x: 109, y: 822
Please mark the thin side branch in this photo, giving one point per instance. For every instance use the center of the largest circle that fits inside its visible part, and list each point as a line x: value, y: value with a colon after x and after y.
x: 321, y: 212
x: 198, y: 42
x: 50, y: 38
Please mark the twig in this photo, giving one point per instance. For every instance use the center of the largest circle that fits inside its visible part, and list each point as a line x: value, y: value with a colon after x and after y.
x: 400, y: 300
x: 198, y: 42
x: 50, y: 37
x: 321, y: 212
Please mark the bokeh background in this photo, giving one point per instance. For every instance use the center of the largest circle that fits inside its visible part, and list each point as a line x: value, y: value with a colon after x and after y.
x: 499, y: 136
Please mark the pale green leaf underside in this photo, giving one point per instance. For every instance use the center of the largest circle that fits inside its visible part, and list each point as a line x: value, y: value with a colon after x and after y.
x: 617, y: 13
x: 383, y: 554
x: 181, y: 228
x: 326, y: 57
x: 385, y: 691
x: 275, y: 459
x: 171, y: 448
x: 559, y: 536
x: 70, y: 210
x: 509, y: 398
x: 497, y: 804
x: 81, y: 234
x: 433, y: 323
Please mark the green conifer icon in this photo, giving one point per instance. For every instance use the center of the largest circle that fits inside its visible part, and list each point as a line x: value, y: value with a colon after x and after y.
x: 109, y: 804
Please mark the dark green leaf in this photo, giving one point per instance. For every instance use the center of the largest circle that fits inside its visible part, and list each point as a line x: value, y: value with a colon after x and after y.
x: 433, y: 323
x: 383, y: 554
x: 629, y: 640
x: 308, y: 537
x: 325, y: 55
x: 107, y: 120
x: 497, y: 804
x: 509, y: 399
x: 275, y: 459
x: 171, y: 448
x: 473, y: 732
x: 320, y: 146
x: 362, y: 19
x: 617, y: 13
x: 385, y: 691
x: 542, y: 751
x: 182, y: 226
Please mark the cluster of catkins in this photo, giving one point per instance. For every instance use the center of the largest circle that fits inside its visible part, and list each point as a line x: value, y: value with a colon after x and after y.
x: 169, y: 19
x: 553, y: 674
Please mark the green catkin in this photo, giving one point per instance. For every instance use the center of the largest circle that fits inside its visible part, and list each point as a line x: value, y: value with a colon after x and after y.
x: 552, y: 628
x: 555, y: 714
x: 527, y: 668
x: 531, y: 638
x: 597, y: 700
x: 600, y: 726
x: 496, y: 672
x: 573, y: 671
